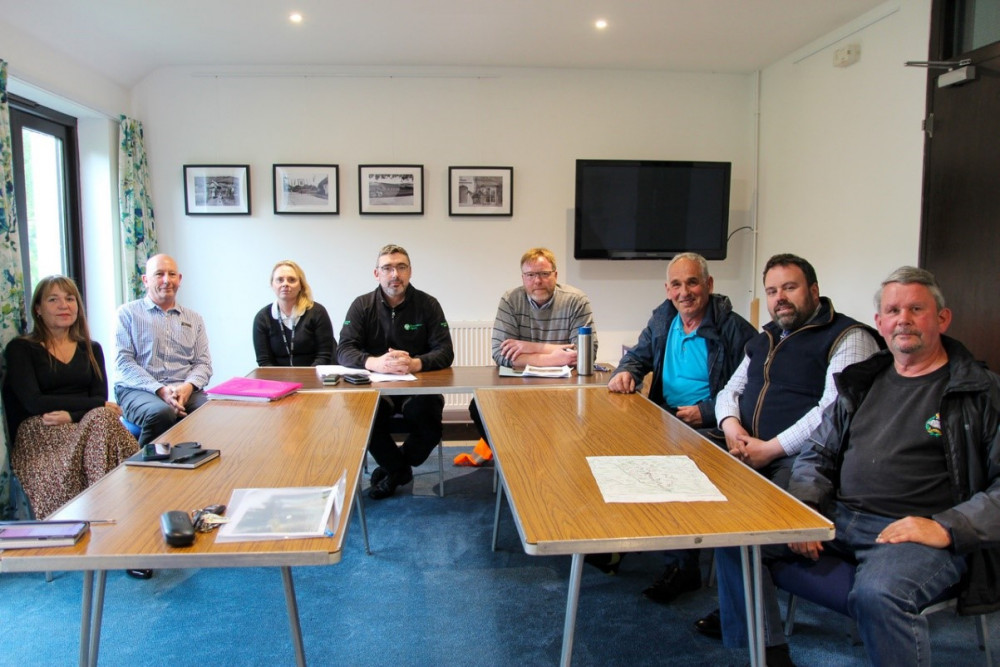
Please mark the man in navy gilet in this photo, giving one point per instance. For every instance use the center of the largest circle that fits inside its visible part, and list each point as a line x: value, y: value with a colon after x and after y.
x: 776, y: 398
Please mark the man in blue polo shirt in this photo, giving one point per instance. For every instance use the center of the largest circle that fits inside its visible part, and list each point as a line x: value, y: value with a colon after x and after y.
x: 692, y: 345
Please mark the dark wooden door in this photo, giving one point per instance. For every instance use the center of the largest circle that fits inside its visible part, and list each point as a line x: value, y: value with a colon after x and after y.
x: 960, y: 231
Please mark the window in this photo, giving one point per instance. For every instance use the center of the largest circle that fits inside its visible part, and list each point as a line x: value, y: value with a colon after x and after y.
x: 970, y: 24
x: 46, y: 188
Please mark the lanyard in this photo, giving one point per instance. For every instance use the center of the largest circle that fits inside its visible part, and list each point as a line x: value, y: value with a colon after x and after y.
x: 289, y: 343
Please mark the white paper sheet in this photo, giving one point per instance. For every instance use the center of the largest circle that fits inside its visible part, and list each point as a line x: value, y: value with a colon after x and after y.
x: 652, y: 479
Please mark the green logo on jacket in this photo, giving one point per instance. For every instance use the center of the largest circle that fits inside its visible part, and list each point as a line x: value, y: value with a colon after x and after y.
x: 411, y: 327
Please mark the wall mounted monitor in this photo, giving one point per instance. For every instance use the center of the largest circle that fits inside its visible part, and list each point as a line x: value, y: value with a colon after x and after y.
x: 651, y: 209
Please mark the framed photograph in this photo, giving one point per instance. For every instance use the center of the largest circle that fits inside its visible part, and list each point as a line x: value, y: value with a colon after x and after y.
x: 307, y: 189
x: 481, y: 191
x: 395, y: 189
x: 217, y: 189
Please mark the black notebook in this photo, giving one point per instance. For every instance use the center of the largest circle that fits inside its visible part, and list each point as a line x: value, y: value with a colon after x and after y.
x: 33, y: 534
x: 180, y: 457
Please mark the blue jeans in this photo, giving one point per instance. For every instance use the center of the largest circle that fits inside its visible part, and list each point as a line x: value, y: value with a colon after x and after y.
x: 893, y: 583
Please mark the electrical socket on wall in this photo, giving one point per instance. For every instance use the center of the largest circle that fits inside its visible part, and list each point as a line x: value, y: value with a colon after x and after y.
x: 846, y: 56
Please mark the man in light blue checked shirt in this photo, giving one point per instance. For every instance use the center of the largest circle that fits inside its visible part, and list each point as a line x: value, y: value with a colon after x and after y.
x: 163, y: 358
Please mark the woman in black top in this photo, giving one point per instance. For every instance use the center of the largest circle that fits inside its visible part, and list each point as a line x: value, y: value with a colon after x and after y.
x: 66, y: 433
x: 294, y: 330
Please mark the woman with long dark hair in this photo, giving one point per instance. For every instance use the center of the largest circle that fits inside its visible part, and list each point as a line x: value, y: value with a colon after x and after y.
x: 66, y: 433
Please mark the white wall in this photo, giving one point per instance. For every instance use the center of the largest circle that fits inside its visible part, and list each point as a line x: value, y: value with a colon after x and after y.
x: 538, y: 121
x: 841, y: 154
x: 840, y: 170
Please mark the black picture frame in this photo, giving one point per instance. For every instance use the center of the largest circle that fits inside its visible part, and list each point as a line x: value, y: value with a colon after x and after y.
x: 481, y: 191
x: 306, y: 189
x: 391, y: 189
x: 217, y: 189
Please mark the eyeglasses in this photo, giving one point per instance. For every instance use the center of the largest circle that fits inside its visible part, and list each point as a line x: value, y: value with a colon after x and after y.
x: 531, y: 275
x: 386, y: 269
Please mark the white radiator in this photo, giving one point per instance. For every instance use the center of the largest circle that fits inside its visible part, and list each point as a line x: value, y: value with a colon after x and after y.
x: 473, y: 347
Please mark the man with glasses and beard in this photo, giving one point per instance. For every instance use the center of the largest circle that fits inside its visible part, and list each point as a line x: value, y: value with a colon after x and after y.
x: 398, y: 329
x: 776, y: 398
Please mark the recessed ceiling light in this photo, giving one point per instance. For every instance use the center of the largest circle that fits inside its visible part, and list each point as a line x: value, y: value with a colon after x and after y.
x: 295, y: 17
x: 600, y: 24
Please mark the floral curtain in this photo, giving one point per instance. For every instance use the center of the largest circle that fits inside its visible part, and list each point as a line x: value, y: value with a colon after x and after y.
x: 13, y: 502
x: 136, y: 205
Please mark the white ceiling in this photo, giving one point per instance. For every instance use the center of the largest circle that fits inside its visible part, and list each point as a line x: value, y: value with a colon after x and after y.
x: 127, y: 39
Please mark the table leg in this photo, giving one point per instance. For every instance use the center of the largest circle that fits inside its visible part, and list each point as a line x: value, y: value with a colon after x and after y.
x: 86, y: 606
x: 572, y: 601
x: 95, y: 629
x: 361, y: 517
x: 750, y: 558
x: 293, y: 616
x: 496, y: 516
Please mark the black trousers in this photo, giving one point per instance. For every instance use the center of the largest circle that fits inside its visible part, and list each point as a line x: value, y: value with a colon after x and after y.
x: 421, y: 420
x: 477, y: 419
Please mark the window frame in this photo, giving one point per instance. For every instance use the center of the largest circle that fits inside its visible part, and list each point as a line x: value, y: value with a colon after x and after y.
x: 27, y: 114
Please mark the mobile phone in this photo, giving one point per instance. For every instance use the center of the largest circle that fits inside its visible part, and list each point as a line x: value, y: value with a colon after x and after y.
x: 332, y: 378
x: 358, y: 378
x: 156, y: 451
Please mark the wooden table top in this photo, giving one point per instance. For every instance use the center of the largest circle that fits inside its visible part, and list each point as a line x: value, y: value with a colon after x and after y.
x: 454, y: 380
x: 541, y: 439
x: 300, y: 440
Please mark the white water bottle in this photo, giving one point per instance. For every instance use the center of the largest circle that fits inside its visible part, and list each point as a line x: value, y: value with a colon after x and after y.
x: 585, y: 352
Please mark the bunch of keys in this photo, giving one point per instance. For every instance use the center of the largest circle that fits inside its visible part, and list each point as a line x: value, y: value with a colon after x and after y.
x: 209, y: 518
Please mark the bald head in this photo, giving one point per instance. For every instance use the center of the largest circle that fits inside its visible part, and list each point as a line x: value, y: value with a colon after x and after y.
x: 162, y: 280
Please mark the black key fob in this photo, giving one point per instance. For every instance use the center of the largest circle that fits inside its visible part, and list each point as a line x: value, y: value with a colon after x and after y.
x: 178, y: 531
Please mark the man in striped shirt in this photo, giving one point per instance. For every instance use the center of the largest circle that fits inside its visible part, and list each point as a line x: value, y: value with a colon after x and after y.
x: 163, y: 359
x: 538, y: 322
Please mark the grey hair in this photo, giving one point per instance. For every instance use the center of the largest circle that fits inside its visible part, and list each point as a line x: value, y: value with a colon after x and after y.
x: 911, y: 275
x: 694, y: 257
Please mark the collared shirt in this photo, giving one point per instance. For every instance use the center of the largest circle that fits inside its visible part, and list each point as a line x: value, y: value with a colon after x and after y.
x: 856, y: 345
x: 157, y: 347
x: 685, y: 367
x: 288, y: 320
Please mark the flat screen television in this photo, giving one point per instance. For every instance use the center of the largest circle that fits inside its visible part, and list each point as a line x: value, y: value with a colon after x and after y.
x: 651, y: 209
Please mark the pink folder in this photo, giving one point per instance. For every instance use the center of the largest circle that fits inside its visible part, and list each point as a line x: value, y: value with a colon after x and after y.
x: 249, y: 389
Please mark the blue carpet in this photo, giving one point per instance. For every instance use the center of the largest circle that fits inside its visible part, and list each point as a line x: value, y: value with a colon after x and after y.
x: 432, y: 593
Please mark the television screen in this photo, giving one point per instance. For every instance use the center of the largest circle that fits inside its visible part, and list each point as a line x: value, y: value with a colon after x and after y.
x: 651, y: 209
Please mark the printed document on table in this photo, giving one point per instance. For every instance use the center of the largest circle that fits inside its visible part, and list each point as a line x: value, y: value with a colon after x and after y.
x: 283, y: 513
x: 547, y: 371
x: 375, y: 377
x: 652, y: 479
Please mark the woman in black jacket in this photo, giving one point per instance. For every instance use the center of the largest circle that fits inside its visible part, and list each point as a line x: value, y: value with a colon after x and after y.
x: 294, y: 330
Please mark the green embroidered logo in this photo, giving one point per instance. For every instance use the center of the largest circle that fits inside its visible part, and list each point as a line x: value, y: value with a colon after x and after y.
x: 346, y: 322
x: 411, y: 327
x: 933, y: 425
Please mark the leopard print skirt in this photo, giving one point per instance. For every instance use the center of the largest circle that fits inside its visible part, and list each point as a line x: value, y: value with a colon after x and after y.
x: 55, y: 463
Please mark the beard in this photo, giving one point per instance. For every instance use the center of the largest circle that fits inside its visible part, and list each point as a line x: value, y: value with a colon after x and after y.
x: 790, y: 321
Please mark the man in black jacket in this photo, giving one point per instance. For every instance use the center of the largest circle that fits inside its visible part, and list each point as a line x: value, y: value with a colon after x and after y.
x: 906, y: 463
x: 398, y: 329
